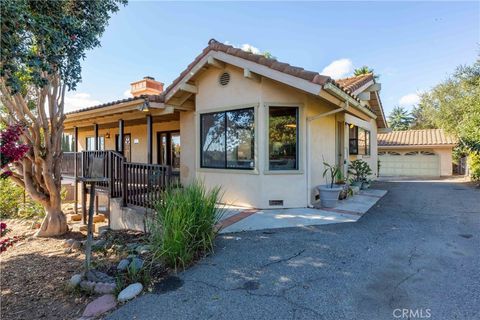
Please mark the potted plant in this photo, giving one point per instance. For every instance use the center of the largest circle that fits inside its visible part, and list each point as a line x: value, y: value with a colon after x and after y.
x: 360, y: 170
x: 340, y: 181
x: 329, y: 192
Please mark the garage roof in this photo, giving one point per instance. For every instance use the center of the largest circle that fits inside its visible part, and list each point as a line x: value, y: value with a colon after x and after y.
x: 426, y: 137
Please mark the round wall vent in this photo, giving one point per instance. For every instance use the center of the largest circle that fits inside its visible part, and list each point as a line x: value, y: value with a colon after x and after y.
x: 224, y: 78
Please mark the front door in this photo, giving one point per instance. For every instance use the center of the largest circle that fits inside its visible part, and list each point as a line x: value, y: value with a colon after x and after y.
x: 168, y: 149
x: 127, y: 147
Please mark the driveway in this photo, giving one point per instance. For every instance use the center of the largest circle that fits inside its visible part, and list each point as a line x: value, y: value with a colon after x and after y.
x: 417, y: 249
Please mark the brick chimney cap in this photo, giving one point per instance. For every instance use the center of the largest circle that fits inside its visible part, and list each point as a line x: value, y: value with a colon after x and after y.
x: 148, y: 78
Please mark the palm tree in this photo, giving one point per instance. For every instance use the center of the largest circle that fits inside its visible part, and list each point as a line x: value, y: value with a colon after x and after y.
x: 364, y: 70
x: 399, y: 119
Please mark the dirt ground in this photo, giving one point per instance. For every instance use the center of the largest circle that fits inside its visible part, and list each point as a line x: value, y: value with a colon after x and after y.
x: 33, y: 277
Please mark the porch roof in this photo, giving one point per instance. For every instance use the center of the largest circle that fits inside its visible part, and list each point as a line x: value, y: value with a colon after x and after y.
x: 212, y: 52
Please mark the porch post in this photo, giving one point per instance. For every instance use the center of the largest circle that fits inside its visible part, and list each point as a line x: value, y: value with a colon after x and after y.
x: 149, y: 139
x: 75, y: 168
x: 95, y: 130
x: 121, y: 128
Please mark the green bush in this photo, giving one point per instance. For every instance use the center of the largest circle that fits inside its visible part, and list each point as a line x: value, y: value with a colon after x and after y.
x: 474, y: 165
x: 12, y: 205
x: 11, y: 197
x: 184, y: 224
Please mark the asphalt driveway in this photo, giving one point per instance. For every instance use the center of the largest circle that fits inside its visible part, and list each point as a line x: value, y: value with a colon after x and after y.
x: 415, y: 253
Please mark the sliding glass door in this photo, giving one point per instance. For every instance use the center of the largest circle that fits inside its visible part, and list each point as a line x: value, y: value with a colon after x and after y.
x: 168, y: 149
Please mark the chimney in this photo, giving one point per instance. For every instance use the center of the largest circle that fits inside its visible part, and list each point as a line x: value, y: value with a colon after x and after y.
x: 147, y: 85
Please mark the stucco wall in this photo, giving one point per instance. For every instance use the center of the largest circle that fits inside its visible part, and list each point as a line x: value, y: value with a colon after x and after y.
x: 138, y: 132
x: 256, y: 187
x: 444, y: 153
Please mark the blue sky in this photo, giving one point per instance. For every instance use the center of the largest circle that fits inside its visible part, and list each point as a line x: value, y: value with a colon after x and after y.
x: 413, y: 46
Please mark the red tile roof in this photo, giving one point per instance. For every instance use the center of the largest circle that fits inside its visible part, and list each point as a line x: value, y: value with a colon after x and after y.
x: 427, y: 137
x: 213, y: 45
x: 353, y: 83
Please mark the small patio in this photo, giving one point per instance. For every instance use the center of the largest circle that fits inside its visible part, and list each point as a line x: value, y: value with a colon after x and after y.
x: 349, y: 210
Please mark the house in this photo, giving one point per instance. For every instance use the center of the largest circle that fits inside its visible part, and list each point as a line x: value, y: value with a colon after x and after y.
x: 259, y: 128
x: 415, y: 153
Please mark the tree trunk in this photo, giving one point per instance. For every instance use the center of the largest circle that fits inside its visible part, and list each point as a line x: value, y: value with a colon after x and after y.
x: 54, y: 223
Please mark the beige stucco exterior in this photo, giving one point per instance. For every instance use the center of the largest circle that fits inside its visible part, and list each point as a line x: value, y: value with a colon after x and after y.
x: 321, y: 137
x: 255, y: 188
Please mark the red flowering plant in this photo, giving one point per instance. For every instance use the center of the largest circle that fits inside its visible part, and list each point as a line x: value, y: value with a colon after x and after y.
x: 7, y: 242
x: 11, y: 150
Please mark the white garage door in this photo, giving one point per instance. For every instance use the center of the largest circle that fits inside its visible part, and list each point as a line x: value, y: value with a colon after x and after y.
x: 415, y: 163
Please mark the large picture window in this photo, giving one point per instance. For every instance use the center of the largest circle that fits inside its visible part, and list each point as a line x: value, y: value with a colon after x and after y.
x: 359, y: 139
x: 283, y: 138
x: 228, y: 139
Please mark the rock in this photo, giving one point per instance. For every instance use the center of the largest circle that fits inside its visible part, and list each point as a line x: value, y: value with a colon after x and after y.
x: 76, y: 245
x: 100, y: 305
x: 87, y: 285
x: 130, y: 292
x: 103, y: 287
x: 136, y: 264
x: 67, y: 250
x: 98, y: 244
x: 75, y: 280
x: 142, y: 249
x: 76, y: 217
x: 68, y: 243
x: 97, y: 276
x: 123, y: 264
x: 98, y: 218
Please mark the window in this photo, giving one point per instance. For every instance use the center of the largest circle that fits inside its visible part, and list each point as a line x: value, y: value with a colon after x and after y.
x: 67, y: 142
x: 90, y: 143
x: 169, y: 149
x: 227, y: 139
x: 359, y: 140
x: 283, y: 138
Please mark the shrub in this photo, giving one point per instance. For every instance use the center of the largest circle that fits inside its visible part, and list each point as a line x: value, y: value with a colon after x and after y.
x: 12, y: 205
x: 359, y: 169
x: 184, y: 224
x: 474, y: 165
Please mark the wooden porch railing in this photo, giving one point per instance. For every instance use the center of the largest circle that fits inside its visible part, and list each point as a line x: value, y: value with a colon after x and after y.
x: 143, y: 183
x: 138, y: 184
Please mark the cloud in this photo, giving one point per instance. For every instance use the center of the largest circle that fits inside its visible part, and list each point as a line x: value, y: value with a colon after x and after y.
x: 249, y: 48
x: 79, y: 100
x: 338, y: 68
x: 127, y: 93
x: 409, y: 100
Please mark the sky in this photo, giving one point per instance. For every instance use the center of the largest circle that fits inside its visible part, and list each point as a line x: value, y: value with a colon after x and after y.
x: 412, y: 45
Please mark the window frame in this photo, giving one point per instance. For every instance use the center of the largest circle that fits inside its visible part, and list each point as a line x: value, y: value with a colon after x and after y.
x: 254, y: 138
x: 100, y: 137
x: 298, y: 149
x: 367, y: 141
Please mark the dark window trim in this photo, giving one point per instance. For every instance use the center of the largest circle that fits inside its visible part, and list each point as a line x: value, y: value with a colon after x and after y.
x: 225, y: 144
x: 355, y: 140
x: 297, y: 144
x: 368, y: 137
x: 98, y: 142
x: 169, y: 144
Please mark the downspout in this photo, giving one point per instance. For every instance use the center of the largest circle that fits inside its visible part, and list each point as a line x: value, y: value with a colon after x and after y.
x: 310, y: 119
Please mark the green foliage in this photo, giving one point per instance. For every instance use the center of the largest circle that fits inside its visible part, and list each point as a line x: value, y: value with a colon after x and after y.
x: 364, y: 70
x: 399, y: 119
x: 12, y: 206
x: 331, y: 171
x: 184, y: 224
x: 41, y: 38
x: 454, y: 105
x: 474, y: 165
x: 360, y: 170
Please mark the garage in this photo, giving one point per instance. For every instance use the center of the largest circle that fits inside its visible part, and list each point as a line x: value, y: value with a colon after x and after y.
x: 412, y: 163
x: 424, y: 153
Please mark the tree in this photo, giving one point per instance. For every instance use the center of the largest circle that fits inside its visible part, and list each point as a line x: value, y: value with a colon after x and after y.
x: 11, y: 150
x: 399, y: 119
x: 365, y: 70
x: 421, y: 118
x: 42, y: 45
x: 454, y: 105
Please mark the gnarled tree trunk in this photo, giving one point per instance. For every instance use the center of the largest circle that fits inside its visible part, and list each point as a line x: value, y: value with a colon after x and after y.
x: 39, y: 172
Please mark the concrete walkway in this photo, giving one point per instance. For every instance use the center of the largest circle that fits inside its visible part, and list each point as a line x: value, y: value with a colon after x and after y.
x: 416, y: 249
x: 349, y: 210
